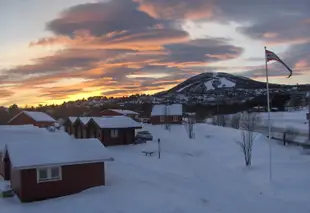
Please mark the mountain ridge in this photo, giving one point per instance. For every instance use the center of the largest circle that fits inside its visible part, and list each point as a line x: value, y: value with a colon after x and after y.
x: 207, y: 82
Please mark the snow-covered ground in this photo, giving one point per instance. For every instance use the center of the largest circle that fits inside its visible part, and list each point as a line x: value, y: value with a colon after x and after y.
x: 295, y: 119
x: 205, y: 174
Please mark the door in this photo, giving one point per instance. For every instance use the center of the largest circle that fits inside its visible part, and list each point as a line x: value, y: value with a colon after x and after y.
x: 129, y: 136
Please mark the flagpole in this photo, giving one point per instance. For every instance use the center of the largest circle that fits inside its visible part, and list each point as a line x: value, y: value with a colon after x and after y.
x: 269, y: 126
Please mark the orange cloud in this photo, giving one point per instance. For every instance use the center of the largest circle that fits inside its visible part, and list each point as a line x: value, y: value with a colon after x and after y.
x: 177, y: 9
x: 5, y: 93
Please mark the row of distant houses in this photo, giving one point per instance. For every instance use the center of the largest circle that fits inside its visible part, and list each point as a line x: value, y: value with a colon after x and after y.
x: 161, y: 114
x: 40, y: 164
x: 110, y: 130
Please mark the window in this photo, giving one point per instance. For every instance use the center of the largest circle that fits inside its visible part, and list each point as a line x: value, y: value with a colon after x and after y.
x: 48, y: 174
x: 55, y: 173
x: 162, y: 118
x: 114, y: 133
x: 175, y: 118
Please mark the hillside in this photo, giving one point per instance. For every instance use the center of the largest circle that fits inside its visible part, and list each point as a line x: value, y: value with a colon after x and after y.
x: 208, y: 82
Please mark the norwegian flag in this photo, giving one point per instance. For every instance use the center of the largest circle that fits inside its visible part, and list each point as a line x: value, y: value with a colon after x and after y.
x: 271, y: 56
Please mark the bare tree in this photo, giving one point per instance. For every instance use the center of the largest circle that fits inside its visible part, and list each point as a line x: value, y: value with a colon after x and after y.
x: 190, y: 124
x: 214, y: 120
x: 248, y: 124
x: 220, y: 120
x: 167, y: 125
x: 289, y: 135
x: 235, y: 120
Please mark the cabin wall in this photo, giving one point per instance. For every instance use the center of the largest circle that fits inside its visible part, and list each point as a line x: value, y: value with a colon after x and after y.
x: 167, y: 120
x: 75, y: 178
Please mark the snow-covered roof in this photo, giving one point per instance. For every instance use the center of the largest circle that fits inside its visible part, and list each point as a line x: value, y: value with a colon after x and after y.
x: 33, y: 154
x: 84, y: 120
x: 72, y: 119
x: 174, y: 109
x: 37, y: 116
x: 116, y: 122
x: 22, y: 133
x: 123, y: 111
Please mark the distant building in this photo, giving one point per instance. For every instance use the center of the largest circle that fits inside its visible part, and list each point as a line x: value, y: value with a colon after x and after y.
x: 80, y: 127
x: 113, y: 130
x: 39, y: 119
x: 167, y: 114
x: 41, y: 170
x: 68, y: 125
x: 124, y: 112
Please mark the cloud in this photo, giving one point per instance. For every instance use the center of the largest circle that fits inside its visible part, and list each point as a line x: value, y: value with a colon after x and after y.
x: 67, y: 60
x: 146, y: 39
x: 59, y: 92
x: 5, y: 93
x: 202, y: 51
x: 106, y: 42
x: 177, y: 9
x: 278, y: 21
x: 222, y: 10
x: 283, y: 29
x: 102, y: 17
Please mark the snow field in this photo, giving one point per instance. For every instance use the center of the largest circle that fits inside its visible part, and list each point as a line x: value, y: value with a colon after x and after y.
x: 205, y: 174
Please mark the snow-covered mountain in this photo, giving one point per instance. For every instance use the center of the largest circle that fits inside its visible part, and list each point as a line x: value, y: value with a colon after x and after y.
x: 208, y: 82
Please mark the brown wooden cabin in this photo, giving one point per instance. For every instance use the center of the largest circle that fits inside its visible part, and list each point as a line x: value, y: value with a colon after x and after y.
x: 168, y: 119
x: 113, y: 130
x: 80, y: 127
x: 39, y: 119
x: 119, y: 112
x: 68, y: 125
x: 56, y: 173
x: 167, y: 114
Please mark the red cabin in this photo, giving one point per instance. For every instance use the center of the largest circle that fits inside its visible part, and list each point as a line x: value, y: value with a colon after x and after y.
x: 40, y: 171
x: 113, y: 130
x: 39, y: 119
x: 167, y: 114
x: 124, y: 112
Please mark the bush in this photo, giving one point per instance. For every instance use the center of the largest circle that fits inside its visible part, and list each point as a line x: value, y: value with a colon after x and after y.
x: 235, y: 121
x: 289, y: 135
x: 248, y: 124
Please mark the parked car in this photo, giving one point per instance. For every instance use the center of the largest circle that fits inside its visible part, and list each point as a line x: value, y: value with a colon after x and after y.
x: 146, y: 135
x: 139, y: 141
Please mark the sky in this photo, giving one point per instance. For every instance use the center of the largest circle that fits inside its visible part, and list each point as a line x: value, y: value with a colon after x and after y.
x: 55, y: 51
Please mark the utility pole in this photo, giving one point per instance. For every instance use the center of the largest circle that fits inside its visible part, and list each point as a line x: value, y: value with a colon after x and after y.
x: 308, y: 114
x: 158, y: 143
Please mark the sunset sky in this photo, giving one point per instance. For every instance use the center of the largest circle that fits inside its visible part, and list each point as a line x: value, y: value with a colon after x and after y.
x: 57, y: 50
